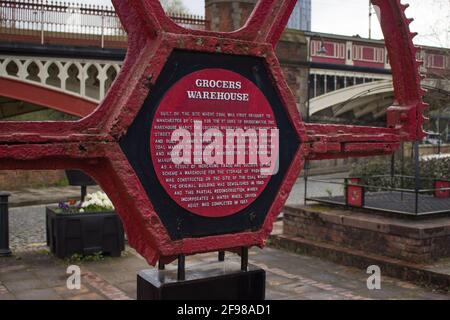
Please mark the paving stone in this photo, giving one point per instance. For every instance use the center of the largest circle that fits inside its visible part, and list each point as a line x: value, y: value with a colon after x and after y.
x: 10, y: 268
x: 38, y: 294
x: 52, y: 282
x: 87, y: 296
x: 3, y: 289
x: 274, y: 280
x: 64, y: 292
x: 17, y: 276
x: 129, y: 288
x: 276, y: 295
x: 323, y: 296
x: 104, y: 287
x: 18, y: 286
x: 7, y: 296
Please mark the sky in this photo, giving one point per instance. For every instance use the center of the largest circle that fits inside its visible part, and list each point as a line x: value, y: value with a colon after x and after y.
x: 350, y: 17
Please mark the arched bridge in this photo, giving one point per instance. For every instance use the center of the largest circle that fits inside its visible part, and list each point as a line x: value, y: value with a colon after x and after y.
x: 72, y: 86
x: 372, y: 97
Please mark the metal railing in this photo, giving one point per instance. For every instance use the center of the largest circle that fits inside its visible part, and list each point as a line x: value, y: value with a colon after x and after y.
x: 385, y: 193
x: 54, y: 22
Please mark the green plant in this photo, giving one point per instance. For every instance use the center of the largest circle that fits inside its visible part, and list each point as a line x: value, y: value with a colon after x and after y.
x: 78, y: 258
x: 62, y: 182
x: 377, y: 172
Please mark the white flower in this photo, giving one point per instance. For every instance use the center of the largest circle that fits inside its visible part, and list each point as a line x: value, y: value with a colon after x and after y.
x: 81, y: 210
x: 98, y: 199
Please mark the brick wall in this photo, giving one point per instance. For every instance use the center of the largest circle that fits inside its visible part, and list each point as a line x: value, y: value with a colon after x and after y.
x: 414, y: 241
x: 17, y: 179
x: 227, y: 15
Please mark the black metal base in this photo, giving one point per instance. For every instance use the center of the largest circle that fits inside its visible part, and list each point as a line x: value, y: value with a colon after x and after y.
x: 209, y: 281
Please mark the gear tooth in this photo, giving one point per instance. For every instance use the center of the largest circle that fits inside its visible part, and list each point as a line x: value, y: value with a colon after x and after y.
x: 410, y: 20
x: 423, y: 107
x: 422, y: 92
x: 404, y: 6
x: 413, y: 35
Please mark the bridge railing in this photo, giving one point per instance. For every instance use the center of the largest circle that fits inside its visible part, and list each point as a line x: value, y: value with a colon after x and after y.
x: 52, y: 22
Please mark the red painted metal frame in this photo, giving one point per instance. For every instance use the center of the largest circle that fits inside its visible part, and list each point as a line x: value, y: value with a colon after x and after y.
x: 91, y: 144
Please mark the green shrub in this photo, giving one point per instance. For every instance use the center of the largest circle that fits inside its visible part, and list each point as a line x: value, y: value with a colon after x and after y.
x: 430, y: 170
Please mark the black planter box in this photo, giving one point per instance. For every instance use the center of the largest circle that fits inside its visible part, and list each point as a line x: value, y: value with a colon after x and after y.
x: 84, y: 233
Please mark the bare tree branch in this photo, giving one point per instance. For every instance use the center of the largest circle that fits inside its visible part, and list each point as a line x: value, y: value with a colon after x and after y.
x: 174, y: 6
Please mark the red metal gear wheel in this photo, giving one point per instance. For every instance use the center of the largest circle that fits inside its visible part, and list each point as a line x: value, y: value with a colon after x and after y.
x: 92, y: 144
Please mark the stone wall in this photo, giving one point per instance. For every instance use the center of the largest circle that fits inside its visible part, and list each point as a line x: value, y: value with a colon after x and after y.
x: 292, y: 53
x: 17, y: 179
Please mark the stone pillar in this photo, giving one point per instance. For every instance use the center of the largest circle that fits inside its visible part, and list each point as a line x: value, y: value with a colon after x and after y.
x: 227, y: 15
x: 292, y: 52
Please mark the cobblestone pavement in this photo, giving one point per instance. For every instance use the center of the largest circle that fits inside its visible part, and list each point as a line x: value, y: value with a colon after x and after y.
x: 27, y: 227
x: 35, y: 274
